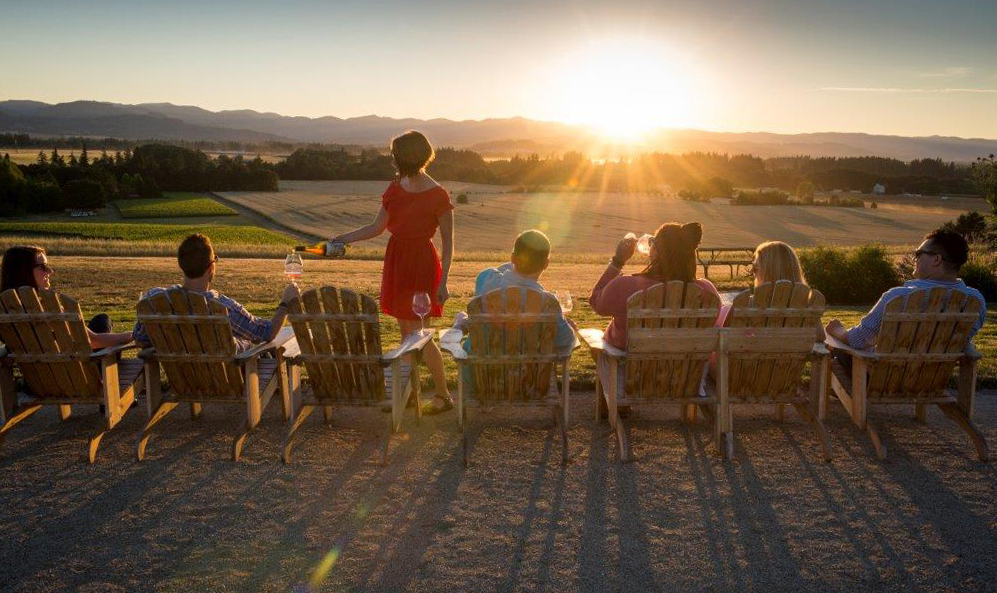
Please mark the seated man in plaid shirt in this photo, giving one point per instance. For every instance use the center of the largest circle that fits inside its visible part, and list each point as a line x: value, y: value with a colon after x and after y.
x: 197, y: 260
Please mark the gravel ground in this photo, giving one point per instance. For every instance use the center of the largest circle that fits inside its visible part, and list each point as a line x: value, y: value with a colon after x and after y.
x: 777, y: 518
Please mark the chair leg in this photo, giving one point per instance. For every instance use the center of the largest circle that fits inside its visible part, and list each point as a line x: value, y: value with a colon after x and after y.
x: 64, y: 411
x: 240, y: 440
x: 780, y: 412
x: 95, y: 440
x: 327, y: 412
x: 600, y: 401
x: 464, y: 453
x: 18, y: 416
x: 822, y: 437
x: 920, y: 412
x: 195, y: 411
x: 959, y: 416
x: 303, y: 413
x: 877, y: 441
x: 157, y: 415
x: 622, y: 436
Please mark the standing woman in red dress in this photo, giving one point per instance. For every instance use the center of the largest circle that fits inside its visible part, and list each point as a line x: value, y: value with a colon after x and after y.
x: 412, y: 208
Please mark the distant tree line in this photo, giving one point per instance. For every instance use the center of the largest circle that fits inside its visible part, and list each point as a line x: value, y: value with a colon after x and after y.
x: 697, y: 174
x: 54, y: 183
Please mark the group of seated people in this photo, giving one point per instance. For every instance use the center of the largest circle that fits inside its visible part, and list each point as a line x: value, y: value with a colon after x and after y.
x: 672, y: 257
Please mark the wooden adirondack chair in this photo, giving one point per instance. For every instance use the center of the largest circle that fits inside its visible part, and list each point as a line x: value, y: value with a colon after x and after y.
x: 193, y: 342
x: 769, y: 338
x: 513, y: 357
x: 670, y: 336
x: 339, y: 345
x: 922, y: 339
x: 45, y: 337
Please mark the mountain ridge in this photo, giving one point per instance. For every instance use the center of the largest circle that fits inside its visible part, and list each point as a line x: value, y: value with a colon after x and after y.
x: 494, y: 136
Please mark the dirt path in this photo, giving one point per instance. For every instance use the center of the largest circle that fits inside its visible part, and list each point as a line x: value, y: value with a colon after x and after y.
x: 775, y: 519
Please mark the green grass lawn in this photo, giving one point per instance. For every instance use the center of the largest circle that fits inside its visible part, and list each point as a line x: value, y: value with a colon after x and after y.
x: 146, y: 232
x: 173, y: 205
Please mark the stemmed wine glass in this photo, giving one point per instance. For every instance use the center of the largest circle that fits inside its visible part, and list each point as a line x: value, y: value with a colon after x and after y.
x: 293, y: 267
x: 564, y: 298
x: 421, y: 305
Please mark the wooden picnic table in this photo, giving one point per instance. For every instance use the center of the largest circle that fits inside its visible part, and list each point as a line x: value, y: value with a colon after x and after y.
x: 733, y: 257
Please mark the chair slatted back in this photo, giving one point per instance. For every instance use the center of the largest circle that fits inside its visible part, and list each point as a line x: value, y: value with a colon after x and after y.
x: 339, y: 335
x: 513, y: 333
x: 670, y: 335
x: 768, y: 364
x: 920, y: 340
x: 193, y: 342
x: 44, y: 333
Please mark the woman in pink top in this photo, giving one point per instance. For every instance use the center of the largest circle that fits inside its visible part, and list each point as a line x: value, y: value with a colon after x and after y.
x: 673, y: 257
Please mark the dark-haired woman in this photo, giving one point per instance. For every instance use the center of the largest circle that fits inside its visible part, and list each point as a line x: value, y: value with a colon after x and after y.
x: 28, y: 266
x: 413, y: 207
x: 673, y: 257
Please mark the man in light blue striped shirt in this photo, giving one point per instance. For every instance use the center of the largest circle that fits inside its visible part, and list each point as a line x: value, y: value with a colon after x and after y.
x: 936, y: 263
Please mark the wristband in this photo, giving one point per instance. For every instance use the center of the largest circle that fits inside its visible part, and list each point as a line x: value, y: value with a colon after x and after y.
x: 616, y: 263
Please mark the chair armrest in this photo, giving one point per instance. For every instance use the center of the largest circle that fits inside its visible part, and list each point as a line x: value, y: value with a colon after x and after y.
x: 839, y: 345
x: 595, y: 340
x: 292, y: 349
x: 971, y: 352
x: 282, y: 337
x: 147, y: 353
x: 113, y: 350
x: 413, y: 343
x: 820, y: 349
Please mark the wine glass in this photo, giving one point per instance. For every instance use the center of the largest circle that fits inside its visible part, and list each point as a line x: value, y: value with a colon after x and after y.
x: 293, y: 267
x: 644, y: 244
x: 421, y: 305
x: 564, y: 298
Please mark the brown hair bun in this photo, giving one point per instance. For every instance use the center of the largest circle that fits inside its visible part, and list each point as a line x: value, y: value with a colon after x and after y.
x: 692, y: 232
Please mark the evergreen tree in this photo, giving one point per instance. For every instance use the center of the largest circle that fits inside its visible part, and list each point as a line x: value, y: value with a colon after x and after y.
x: 84, y: 157
x: 42, y: 158
x: 57, y: 159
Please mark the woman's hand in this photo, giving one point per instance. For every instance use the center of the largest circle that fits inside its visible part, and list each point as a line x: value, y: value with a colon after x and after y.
x: 836, y: 329
x: 625, y: 249
x: 442, y: 293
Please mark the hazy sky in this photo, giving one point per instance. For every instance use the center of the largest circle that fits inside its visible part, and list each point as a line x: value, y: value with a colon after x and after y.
x: 884, y: 66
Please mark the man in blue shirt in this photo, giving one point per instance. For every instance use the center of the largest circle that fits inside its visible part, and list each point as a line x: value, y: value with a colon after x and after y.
x: 530, y: 257
x: 936, y: 263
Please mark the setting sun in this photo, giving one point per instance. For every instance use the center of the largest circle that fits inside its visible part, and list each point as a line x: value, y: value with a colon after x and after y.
x: 625, y: 89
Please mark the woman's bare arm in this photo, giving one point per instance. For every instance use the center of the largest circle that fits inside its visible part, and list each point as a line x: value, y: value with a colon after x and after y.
x: 446, y: 235
x: 367, y: 232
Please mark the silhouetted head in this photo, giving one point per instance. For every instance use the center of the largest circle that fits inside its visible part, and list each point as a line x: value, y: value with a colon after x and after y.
x: 673, y: 252
x: 412, y: 153
x: 25, y: 265
x: 531, y: 253
x: 941, y: 253
x: 775, y: 260
x: 196, y: 256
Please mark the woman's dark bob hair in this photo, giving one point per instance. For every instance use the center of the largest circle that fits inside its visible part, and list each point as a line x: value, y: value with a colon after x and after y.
x: 412, y: 153
x: 18, y: 267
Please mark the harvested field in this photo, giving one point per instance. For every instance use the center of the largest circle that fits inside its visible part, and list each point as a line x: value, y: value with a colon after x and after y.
x: 591, y: 222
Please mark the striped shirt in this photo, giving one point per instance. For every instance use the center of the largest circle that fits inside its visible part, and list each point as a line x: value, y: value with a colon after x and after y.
x: 246, y: 327
x: 864, y: 335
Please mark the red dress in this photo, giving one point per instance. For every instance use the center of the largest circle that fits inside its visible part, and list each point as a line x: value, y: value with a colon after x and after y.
x: 411, y: 263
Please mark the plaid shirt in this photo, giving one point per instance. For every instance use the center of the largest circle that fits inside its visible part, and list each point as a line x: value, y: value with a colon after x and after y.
x: 246, y: 327
x: 864, y: 335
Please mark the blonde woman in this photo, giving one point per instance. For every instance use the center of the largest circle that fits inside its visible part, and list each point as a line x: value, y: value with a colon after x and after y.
x: 774, y: 261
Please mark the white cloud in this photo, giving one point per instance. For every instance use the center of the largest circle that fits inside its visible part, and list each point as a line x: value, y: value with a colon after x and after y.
x: 865, y: 89
x: 950, y: 72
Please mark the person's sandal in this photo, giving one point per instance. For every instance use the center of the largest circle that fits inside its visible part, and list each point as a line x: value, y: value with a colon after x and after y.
x: 432, y: 410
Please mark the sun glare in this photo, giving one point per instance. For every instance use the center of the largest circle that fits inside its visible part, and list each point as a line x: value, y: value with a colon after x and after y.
x: 625, y: 89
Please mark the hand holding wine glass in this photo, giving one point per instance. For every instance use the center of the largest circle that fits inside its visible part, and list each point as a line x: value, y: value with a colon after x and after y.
x: 421, y: 306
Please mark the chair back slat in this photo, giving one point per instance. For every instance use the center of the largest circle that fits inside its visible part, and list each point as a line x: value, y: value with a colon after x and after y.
x: 773, y: 330
x: 338, y: 332
x: 670, y: 336
x: 45, y: 335
x: 513, y: 334
x: 920, y: 340
x: 194, y: 341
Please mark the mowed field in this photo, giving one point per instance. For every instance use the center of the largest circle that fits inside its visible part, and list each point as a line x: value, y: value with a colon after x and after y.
x: 593, y: 223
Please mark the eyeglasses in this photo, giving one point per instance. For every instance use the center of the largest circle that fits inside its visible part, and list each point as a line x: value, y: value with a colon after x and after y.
x: 921, y: 252
x: 45, y: 268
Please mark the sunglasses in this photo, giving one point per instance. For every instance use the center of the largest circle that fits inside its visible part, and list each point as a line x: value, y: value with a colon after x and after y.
x: 45, y: 268
x: 921, y: 252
